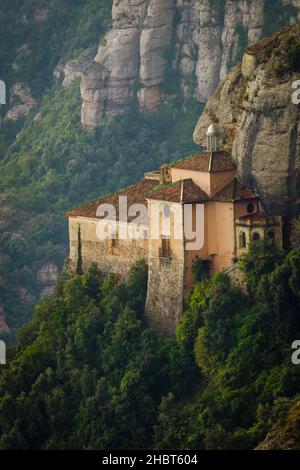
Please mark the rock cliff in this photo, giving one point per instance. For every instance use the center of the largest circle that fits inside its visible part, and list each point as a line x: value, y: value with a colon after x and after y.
x: 21, y: 102
x: 193, y: 43
x: 47, y: 276
x: 256, y: 117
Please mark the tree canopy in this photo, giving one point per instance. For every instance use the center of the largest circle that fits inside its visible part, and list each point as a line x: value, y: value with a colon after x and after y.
x: 87, y: 372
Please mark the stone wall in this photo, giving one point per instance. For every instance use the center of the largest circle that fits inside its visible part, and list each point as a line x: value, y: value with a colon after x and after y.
x: 237, y: 277
x: 117, y: 260
x: 165, y: 283
x: 166, y: 275
x: 165, y: 291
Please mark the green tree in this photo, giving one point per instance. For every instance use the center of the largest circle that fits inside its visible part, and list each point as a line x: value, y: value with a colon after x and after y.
x: 79, y: 269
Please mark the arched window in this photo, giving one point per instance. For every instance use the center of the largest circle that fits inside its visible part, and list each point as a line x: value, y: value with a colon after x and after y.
x: 271, y: 235
x: 255, y: 237
x: 243, y: 240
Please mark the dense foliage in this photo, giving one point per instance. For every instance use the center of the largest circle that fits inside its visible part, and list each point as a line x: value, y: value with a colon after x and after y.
x: 49, y: 32
x: 87, y: 372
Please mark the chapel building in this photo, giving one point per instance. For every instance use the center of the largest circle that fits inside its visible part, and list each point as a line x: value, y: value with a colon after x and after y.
x: 199, y: 195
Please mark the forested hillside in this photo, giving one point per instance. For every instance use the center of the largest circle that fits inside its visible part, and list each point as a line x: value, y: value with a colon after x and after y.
x: 87, y: 373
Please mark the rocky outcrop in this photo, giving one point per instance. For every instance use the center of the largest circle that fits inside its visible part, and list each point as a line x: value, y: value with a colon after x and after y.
x: 25, y: 295
x: 47, y: 275
x: 196, y: 41
x: 73, y: 69
x: 21, y: 102
x: 210, y: 38
x: 135, y: 49
x: 256, y: 117
x: 23, y: 52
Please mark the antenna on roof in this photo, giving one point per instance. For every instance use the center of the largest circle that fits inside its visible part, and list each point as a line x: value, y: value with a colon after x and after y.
x: 181, y: 191
x: 211, y: 138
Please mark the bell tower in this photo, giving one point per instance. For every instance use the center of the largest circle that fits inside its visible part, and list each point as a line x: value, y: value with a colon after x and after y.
x: 211, y: 135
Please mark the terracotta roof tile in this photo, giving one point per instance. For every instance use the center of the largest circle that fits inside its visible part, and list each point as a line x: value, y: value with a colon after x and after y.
x: 181, y: 191
x: 135, y: 195
x: 234, y: 191
x: 185, y: 191
x: 207, y: 161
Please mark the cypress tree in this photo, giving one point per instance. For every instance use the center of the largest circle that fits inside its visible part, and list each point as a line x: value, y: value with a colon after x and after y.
x: 79, y: 269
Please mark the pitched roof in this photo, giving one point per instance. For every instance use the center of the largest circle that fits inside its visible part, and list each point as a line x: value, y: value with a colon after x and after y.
x: 207, y: 161
x: 234, y: 191
x: 135, y: 195
x: 185, y: 191
x: 181, y: 191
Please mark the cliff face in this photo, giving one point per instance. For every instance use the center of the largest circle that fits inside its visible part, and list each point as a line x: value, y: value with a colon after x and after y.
x: 195, y: 41
x: 135, y: 49
x: 256, y: 117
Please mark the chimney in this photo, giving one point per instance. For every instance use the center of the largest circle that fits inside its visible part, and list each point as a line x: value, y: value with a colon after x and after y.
x: 165, y: 174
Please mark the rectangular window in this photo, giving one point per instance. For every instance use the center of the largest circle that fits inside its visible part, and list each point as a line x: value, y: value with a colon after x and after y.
x: 115, y: 246
x: 165, y: 250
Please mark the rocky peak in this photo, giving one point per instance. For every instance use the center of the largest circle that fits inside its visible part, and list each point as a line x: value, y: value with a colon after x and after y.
x: 197, y: 41
x: 135, y: 49
x: 73, y: 69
